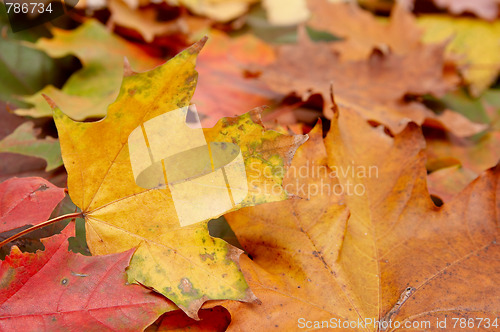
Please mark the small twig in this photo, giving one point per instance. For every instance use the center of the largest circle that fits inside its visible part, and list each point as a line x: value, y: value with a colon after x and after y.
x: 405, y: 295
x: 43, y: 224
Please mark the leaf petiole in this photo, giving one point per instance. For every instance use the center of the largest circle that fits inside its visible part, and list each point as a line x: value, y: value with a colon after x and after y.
x: 43, y: 224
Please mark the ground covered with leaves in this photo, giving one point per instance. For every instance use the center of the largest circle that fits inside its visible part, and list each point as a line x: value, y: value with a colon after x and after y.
x: 372, y: 173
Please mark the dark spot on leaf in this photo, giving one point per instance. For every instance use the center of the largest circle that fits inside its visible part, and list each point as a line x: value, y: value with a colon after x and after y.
x: 191, y: 78
x: 204, y: 257
x: 185, y: 286
x: 42, y: 187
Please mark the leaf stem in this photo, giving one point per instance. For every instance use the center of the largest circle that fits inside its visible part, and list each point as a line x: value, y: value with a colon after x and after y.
x: 43, y: 224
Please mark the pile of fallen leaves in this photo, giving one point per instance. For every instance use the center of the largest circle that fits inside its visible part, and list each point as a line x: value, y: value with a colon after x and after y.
x: 373, y: 175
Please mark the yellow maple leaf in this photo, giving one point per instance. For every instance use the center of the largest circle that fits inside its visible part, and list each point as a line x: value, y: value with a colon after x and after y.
x: 185, y: 264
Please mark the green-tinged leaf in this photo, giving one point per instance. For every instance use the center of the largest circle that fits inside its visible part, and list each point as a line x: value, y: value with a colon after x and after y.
x: 24, y: 141
x: 474, y: 41
x: 88, y: 92
x: 23, y: 70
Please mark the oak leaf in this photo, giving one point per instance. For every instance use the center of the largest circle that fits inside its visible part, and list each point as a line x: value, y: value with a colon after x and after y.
x: 183, y: 263
x: 55, y: 290
x: 383, y: 252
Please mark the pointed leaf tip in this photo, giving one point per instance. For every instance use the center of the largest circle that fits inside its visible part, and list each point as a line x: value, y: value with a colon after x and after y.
x: 127, y: 68
x: 196, y: 47
x: 51, y: 103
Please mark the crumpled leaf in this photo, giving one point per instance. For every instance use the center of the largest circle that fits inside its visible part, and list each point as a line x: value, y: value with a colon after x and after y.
x: 56, y: 290
x: 27, y: 201
x: 376, y: 88
x: 184, y: 264
x: 223, y: 90
x: 24, y: 141
x: 348, y: 257
x: 88, y: 92
x: 473, y: 41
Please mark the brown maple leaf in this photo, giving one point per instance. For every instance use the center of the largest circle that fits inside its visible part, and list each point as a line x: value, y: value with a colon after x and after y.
x: 376, y: 88
x: 362, y: 31
x: 383, y: 251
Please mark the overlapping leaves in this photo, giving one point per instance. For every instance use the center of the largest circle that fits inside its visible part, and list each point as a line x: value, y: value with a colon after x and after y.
x: 184, y: 264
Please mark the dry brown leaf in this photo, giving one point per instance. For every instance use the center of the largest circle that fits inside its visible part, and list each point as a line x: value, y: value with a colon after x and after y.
x: 143, y: 21
x: 376, y: 88
x: 362, y: 31
x: 388, y: 253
